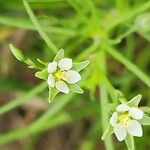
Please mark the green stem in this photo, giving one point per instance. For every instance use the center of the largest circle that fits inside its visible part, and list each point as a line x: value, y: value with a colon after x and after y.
x: 104, y: 106
x: 122, y: 36
x: 111, y: 90
x: 38, y: 27
x: 129, y: 65
x: 89, y: 50
x: 104, y: 116
x: 23, y: 98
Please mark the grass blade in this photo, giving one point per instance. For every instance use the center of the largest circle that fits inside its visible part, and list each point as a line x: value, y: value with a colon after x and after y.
x: 129, y: 65
x: 38, y: 27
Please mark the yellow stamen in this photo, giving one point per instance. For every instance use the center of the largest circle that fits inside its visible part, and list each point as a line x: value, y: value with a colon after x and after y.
x: 124, y: 118
x: 59, y: 74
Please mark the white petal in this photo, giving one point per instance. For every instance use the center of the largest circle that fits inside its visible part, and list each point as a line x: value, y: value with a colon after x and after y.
x: 135, y: 128
x: 50, y: 80
x: 136, y: 113
x: 62, y: 87
x: 52, y: 66
x: 120, y: 132
x: 113, y: 119
x: 122, y: 108
x: 72, y: 76
x: 65, y: 64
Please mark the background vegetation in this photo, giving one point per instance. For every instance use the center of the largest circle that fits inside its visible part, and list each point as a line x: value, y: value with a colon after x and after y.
x: 113, y: 34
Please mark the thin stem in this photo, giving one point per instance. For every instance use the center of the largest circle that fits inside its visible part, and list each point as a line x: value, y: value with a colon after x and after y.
x: 104, y: 106
x: 38, y: 27
x: 104, y: 116
x: 108, y: 86
x: 122, y: 36
x: 129, y: 65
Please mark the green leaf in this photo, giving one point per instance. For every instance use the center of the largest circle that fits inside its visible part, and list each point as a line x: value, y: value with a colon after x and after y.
x: 52, y: 93
x: 145, y: 120
x: 42, y: 62
x: 42, y: 74
x: 146, y: 109
x: 75, y: 88
x: 30, y: 63
x: 129, y: 142
x: 120, y: 96
x: 109, y: 131
x: 128, y: 64
x: 134, y: 102
x: 16, y: 52
x: 59, y: 55
x: 81, y: 65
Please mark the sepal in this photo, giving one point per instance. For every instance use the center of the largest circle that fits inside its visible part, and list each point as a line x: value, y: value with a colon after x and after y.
x: 109, y: 131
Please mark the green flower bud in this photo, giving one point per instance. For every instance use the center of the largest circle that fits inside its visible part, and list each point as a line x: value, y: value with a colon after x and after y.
x: 16, y: 52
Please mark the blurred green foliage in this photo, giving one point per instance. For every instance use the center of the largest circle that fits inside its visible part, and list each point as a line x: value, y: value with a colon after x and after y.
x: 113, y: 34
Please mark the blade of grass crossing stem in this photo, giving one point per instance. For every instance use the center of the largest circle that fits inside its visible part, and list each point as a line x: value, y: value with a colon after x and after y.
x: 36, y: 126
x: 23, y: 98
x: 52, y: 121
x: 129, y: 65
x: 38, y: 27
x: 104, y: 105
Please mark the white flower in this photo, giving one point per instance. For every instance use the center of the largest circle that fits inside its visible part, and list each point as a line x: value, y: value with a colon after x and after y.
x: 125, y: 120
x: 60, y: 73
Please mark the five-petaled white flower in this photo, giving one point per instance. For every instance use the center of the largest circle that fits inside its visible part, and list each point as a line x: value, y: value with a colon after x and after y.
x: 60, y: 73
x: 125, y: 120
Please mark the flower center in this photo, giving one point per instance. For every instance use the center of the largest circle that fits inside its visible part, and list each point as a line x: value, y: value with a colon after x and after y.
x: 59, y: 74
x: 124, y: 119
